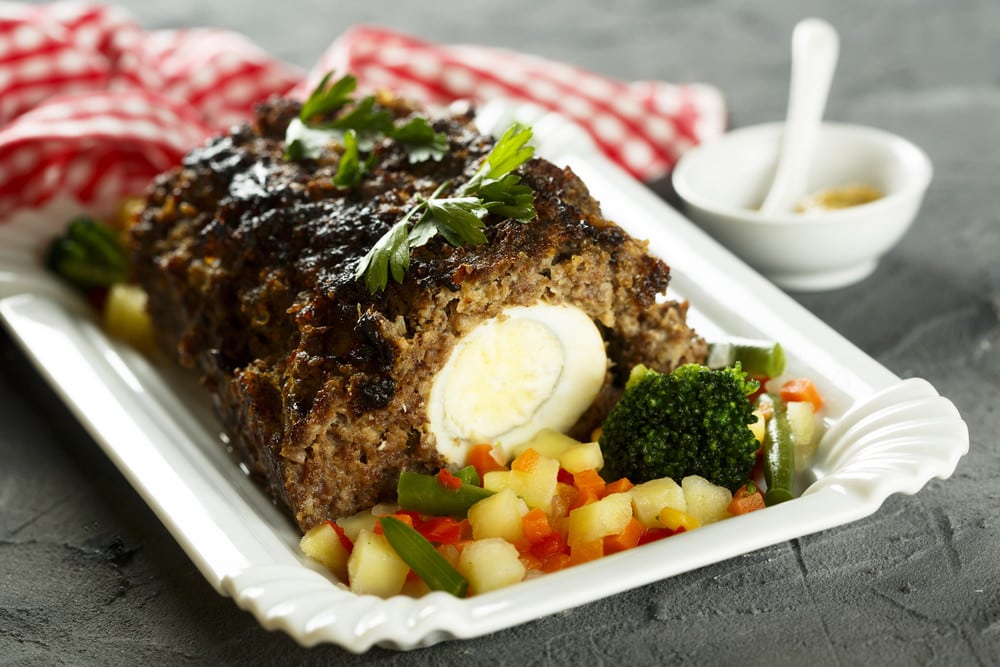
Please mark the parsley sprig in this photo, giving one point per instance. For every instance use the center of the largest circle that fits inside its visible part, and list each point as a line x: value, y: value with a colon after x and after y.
x: 458, y: 218
x: 369, y: 122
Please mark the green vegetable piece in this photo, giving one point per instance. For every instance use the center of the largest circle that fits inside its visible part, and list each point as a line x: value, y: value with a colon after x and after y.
x: 89, y: 254
x: 469, y: 475
x: 417, y: 552
x: 761, y: 359
x: 779, y: 455
x: 423, y: 493
x: 693, y: 421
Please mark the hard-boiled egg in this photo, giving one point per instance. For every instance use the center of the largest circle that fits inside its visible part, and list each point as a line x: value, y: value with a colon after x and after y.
x: 531, y: 367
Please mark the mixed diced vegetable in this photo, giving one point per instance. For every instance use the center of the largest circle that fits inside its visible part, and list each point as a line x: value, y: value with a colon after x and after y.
x: 495, y: 522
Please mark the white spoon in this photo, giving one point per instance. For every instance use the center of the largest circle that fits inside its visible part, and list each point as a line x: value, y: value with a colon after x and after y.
x: 815, y: 47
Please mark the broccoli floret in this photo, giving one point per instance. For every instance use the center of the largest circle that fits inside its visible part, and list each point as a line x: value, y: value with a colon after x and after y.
x: 689, y: 422
x: 89, y: 254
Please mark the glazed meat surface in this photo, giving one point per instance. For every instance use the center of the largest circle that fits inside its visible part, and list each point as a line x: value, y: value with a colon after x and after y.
x: 249, y: 262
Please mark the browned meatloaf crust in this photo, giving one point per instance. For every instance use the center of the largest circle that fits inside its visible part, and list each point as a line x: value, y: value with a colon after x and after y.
x: 248, y: 259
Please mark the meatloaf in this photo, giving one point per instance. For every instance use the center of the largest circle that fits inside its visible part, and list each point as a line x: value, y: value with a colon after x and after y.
x: 249, y: 260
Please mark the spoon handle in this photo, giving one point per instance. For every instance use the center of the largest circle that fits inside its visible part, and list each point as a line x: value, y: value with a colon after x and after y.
x: 815, y: 48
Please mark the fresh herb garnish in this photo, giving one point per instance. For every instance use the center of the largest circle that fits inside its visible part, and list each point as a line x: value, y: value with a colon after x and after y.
x: 420, y: 139
x: 351, y: 169
x: 327, y: 99
x: 306, y: 138
x: 459, y: 218
x: 367, y: 119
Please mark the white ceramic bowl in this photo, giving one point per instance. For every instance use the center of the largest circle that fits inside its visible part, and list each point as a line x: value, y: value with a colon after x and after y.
x: 722, y: 183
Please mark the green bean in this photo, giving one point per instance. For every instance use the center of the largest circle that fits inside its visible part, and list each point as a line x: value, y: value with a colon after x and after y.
x: 423, y: 493
x: 417, y: 552
x: 757, y: 357
x: 469, y: 475
x: 779, y: 455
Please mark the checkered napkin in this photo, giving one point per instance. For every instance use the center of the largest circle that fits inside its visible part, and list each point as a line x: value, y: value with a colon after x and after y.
x: 92, y: 106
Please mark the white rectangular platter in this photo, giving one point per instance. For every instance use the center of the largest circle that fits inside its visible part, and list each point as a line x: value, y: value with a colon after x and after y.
x: 884, y: 435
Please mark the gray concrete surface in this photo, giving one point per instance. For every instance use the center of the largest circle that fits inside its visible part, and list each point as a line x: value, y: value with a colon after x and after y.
x: 88, y: 576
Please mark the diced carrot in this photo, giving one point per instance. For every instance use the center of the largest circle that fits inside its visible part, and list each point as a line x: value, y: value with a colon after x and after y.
x: 556, y: 562
x: 530, y: 561
x: 526, y: 462
x: 618, y: 486
x: 522, y: 545
x: 481, y: 458
x: 448, y: 481
x: 628, y: 538
x: 564, y: 498
x: 586, y: 551
x: 550, y: 545
x: 536, y: 525
x: 585, y: 496
x: 588, y: 479
x: 801, y: 389
x: 745, y: 500
x: 441, y: 529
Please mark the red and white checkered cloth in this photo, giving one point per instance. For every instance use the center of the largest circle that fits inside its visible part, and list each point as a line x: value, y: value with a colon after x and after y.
x: 92, y: 106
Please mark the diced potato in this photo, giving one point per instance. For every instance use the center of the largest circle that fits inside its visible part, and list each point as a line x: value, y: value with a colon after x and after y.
x: 547, y: 442
x: 538, y: 486
x: 803, y: 427
x: 125, y: 317
x: 365, y: 519
x: 607, y: 516
x: 490, y: 564
x: 498, y: 515
x: 374, y: 568
x: 322, y: 544
x: 650, y: 497
x: 705, y: 501
x: 496, y: 480
x: 585, y: 456
x: 759, y: 427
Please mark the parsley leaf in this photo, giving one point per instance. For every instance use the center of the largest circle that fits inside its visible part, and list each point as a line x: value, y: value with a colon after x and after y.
x: 390, y: 254
x: 508, y: 197
x: 351, y: 168
x: 459, y: 219
x: 510, y: 152
x: 327, y: 99
x: 306, y: 139
x: 421, y: 141
x: 306, y: 143
x: 370, y: 123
